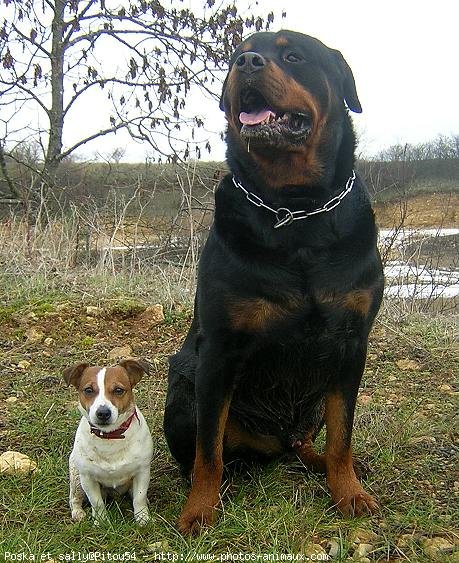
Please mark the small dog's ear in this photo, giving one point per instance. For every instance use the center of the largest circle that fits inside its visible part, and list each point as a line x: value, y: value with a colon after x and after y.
x: 135, y: 369
x: 72, y: 375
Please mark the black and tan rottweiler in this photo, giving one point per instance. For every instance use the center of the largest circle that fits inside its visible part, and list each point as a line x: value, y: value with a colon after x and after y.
x: 290, y: 280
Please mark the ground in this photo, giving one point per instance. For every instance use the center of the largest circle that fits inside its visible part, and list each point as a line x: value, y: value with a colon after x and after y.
x: 424, y: 210
x: 404, y: 437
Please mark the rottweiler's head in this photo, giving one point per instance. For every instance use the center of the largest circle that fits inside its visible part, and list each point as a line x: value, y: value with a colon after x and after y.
x: 284, y: 99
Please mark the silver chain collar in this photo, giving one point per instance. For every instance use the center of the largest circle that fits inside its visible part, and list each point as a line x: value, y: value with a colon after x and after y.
x: 284, y: 216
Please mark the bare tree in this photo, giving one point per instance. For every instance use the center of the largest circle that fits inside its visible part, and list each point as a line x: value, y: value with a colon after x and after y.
x: 53, y: 54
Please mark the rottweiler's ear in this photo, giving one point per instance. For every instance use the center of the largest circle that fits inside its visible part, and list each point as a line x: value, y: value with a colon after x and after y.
x: 135, y: 369
x: 222, y: 105
x: 350, y: 92
x: 72, y: 375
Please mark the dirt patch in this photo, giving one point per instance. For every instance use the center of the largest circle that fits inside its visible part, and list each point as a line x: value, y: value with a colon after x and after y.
x: 427, y: 210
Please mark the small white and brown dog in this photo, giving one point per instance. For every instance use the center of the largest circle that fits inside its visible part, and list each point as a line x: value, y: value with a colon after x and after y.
x: 113, y: 447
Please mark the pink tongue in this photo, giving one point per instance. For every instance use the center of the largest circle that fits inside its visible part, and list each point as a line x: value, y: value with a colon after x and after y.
x: 254, y: 118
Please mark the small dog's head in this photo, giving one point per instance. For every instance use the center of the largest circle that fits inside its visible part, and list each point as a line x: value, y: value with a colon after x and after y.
x: 106, y: 393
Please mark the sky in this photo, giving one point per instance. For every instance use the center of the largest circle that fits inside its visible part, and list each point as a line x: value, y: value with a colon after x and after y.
x: 403, y: 54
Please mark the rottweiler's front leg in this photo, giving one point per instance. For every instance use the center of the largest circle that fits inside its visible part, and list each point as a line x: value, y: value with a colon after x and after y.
x: 346, y: 490
x: 214, y: 384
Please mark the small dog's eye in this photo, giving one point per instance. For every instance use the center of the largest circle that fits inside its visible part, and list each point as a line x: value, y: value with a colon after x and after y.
x: 292, y: 58
x: 88, y: 391
x: 118, y: 391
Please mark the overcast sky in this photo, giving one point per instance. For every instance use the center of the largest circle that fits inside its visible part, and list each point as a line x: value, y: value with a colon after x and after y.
x: 404, y: 55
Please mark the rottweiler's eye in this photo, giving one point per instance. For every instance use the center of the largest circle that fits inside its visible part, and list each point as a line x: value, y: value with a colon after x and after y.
x: 118, y: 391
x: 88, y: 391
x: 293, y: 57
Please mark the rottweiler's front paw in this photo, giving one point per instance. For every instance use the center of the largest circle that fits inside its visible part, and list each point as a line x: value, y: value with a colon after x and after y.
x: 355, y: 503
x: 195, y: 517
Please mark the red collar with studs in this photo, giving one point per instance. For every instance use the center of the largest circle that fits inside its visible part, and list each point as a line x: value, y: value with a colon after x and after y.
x: 118, y: 433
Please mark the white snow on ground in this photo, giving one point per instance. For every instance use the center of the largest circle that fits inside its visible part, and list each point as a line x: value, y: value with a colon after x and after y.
x: 419, y: 281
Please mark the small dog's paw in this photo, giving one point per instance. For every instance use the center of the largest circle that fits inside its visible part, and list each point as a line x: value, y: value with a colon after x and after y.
x: 78, y: 514
x: 100, y: 517
x: 142, y: 516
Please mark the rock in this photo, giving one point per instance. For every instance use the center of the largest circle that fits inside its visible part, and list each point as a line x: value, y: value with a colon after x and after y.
x: 11, y: 400
x: 364, y: 399
x: 360, y: 535
x: 120, y: 352
x: 437, y: 547
x: 314, y: 549
x: 445, y: 387
x: 13, y: 463
x: 408, y: 365
x: 24, y: 364
x: 93, y: 311
x: 405, y: 540
x: 34, y: 335
x: 158, y: 546
x: 363, y: 549
x: 153, y: 315
x: 48, y: 341
x: 334, y: 548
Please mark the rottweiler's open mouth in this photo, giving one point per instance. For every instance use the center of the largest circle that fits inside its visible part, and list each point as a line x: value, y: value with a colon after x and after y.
x: 264, y: 124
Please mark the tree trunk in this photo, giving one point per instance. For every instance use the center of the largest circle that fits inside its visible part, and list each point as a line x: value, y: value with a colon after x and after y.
x: 56, y: 113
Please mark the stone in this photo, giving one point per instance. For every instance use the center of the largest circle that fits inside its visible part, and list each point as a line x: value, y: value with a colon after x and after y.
x: 11, y: 400
x: 363, y: 549
x: 334, y: 548
x: 314, y: 549
x: 93, y: 311
x: 361, y: 535
x: 34, y: 335
x: 437, y: 547
x: 408, y: 365
x: 120, y: 352
x: 24, y: 364
x: 14, y: 463
x: 153, y: 315
x: 364, y: 399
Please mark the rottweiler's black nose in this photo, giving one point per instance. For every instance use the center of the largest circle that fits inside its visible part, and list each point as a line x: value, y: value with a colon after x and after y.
x: 250, y: 62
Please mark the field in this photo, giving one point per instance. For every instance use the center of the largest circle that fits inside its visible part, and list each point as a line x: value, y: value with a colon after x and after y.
x: 405, y: 436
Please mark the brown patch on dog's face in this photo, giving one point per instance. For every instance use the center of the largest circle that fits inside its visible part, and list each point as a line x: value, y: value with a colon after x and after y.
x: 106, y: 386
x: 282, y: 41
x: 257, y: 314
x: 118, y: 388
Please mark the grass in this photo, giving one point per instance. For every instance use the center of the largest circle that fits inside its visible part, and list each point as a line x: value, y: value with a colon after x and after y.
x: 404, y: 437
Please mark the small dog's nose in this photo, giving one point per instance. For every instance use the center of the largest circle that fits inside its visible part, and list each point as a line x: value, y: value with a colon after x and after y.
x: 250, y: 62
x: 103, y: 414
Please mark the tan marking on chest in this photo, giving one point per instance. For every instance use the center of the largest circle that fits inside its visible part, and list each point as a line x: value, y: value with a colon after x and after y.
x: 358, y: 301
x: 256, y: 314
